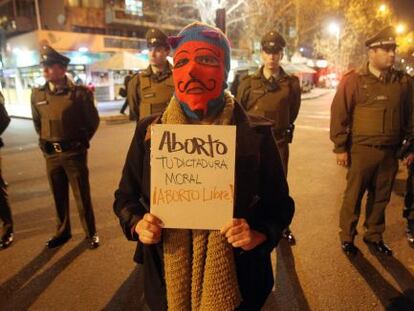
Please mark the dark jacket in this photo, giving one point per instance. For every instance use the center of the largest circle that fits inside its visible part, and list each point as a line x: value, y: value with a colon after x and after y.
x: 4, y: 118
x: 261, y: 197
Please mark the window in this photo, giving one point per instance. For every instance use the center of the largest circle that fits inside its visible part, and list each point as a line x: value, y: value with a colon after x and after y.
x: 134, y: 7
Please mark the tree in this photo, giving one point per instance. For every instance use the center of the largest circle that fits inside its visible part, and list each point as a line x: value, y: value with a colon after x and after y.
x: 358, y: 20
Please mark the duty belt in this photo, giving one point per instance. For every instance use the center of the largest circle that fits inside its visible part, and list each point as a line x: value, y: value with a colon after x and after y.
x: 381, y: 147
x: 59, y: 147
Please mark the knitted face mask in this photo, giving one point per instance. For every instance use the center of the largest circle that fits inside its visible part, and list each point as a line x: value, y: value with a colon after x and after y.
x: 199, y: 78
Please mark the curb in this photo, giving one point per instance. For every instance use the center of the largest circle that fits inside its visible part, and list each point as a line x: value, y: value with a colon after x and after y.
x: 315, y: 96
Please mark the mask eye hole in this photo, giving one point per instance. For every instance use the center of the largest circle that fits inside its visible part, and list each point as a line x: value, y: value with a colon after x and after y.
x: 207, y: 60
x: 181, y: 62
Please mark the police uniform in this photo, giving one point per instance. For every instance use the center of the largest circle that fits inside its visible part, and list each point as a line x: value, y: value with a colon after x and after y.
x: 277, y: 98
x: 65, y: 119
x: 6, y: 237
x: 150, y: 92
x: 370, y: 115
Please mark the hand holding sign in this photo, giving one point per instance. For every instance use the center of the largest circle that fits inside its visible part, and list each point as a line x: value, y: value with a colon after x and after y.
x: 239, y: 234
x: 149, y: 229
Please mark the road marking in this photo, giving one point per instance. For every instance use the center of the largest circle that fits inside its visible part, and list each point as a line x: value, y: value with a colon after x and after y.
x: 313, y: 116
x: 20, y: 148
x: 315, y: 128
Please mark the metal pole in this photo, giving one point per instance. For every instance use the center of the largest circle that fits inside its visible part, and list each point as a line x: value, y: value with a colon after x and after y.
x: 39, y: 24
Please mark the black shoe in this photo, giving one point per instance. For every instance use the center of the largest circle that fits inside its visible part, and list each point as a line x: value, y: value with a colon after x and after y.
x: 379, y: 247
x: 6, y: 240
x: 288, y: 235
x: 93, y: 241
x: 58, y: 241
x: 349, y: 249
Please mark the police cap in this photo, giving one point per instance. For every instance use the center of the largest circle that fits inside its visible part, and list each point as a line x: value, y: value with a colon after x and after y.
x: 155, y: 37
x: 49, y: 56
x: 273, y: 42
x: 386, y: 37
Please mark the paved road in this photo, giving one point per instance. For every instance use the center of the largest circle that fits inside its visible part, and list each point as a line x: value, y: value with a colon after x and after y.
x: 314, y: 275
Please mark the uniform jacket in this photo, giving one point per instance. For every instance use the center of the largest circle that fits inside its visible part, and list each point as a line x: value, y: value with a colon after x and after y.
x: 368, y: 111
x: 157, y: 90
x: 68, y: 114
x: 278, y: 101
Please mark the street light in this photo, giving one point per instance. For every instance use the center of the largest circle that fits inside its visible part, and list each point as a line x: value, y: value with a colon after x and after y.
x: 400, y: 29
x: 335, y: 30
x: 383, y: 8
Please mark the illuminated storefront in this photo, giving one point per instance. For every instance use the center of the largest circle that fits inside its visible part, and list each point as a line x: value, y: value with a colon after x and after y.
x: 22, y: 71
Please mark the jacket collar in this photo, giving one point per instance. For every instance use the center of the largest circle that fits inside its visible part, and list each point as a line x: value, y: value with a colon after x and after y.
x: 259, y: 74
x: 149, y: 73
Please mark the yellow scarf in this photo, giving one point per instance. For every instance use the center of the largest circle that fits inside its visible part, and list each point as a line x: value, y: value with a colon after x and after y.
x: 200, y: 272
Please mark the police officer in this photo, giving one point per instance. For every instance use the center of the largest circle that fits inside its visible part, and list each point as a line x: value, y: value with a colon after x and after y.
x: 150, y: 90
x: 273, y: 94
x: 65, y: 118
x: 6, y: 237
x: 370, y: 115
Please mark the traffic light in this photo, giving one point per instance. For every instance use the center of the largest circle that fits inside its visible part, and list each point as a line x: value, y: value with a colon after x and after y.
x: 221, y: 19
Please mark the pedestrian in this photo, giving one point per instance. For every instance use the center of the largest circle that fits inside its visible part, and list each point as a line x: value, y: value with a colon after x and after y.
x: 6, y: 238
x: 273, y: 94
x: 370, y: 115
x: 124, y: 91
x: 65, y: 118
x: 237, y: 274
x: 150, y: 90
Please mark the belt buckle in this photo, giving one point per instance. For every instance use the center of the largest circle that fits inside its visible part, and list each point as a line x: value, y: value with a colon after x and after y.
x: 57, y: 147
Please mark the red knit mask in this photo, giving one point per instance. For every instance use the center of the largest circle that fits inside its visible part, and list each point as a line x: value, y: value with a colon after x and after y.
x: 198, y: 75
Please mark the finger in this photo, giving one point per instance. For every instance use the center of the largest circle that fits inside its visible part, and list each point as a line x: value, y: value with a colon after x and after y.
x: 147, y: 241
x: 234, y: 231
x: 147, y: 234
x: 151, y: 227
x: 241, y: 243
x: 153, y: 219
x: 230, y: 225
x: 238, y: 237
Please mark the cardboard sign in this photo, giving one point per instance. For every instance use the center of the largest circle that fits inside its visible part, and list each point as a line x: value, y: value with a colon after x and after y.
x: 192, y: 175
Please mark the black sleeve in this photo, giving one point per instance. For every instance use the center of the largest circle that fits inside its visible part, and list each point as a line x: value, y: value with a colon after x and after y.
x: 4, y: 116
x: 127, y: 205
x: 276, y: 206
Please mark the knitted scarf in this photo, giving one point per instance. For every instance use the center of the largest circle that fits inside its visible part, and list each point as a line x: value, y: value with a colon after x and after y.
x: 200, y: 271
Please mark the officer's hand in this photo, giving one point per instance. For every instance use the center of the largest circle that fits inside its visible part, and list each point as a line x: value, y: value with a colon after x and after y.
x: 342, y: 159
x: 239, y: 234
x: 149, y: 229
x: 409, y: 159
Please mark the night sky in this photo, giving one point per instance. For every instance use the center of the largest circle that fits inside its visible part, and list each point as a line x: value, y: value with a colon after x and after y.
x: 404, y: 10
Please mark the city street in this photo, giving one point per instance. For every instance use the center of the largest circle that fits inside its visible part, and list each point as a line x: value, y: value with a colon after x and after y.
x: 313, y: 275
